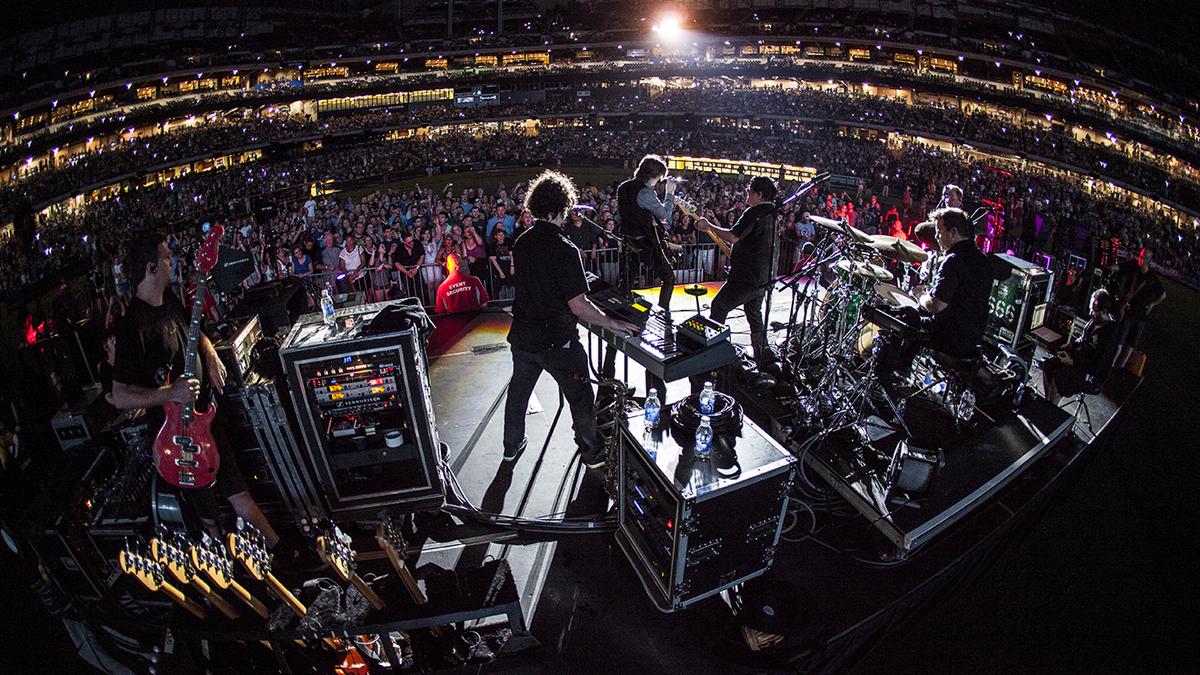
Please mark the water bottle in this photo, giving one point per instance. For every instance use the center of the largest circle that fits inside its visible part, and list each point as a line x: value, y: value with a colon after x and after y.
x: 327, y: 307
x: 1020, y: 396
x: 708, y: 399
x: 653, y: 408
x: 704, y: 436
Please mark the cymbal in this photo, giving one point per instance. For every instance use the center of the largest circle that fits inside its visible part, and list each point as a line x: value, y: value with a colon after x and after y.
x: 894, y: 296
x: 841, y: 227
x: 863, y: 269
x: 898, y: 249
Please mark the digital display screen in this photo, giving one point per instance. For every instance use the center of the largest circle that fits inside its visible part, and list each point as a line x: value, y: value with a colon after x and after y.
x: 353, y: 384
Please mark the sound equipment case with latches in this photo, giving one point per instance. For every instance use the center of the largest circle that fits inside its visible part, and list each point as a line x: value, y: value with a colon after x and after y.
x: 361, y: 398
x: 689, y: 532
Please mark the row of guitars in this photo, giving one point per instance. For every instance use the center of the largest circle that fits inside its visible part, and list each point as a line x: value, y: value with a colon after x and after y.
x: 208, y: 567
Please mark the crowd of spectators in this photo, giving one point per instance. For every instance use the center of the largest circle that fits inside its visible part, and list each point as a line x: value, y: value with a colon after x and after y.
x: 215, y: 134
x: 898, y: 184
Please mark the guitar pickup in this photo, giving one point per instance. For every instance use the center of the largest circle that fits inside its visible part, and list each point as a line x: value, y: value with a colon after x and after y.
x: 187, y: 478
x: 189, y: 463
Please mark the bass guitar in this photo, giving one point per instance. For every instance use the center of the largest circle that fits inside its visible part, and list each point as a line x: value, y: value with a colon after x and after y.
x: 184, y: 451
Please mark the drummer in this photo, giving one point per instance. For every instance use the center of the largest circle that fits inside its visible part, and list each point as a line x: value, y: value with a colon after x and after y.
x: 953, y: 311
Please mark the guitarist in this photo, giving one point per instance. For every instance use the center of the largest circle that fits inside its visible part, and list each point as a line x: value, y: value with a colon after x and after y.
x: 1141, y: 292
x: 638, y: 207
x: 749, y: 263
x: 151, y: 341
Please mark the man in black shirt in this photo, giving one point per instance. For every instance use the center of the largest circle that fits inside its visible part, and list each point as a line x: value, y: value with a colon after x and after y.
x: 640, y: 212
x: 550, y: 300
x: 407, y: 259
x: 1141, y: 292
x: 954, y: 309
x: 958, y: 299
x: 749, y: 262
x: 151, y: 342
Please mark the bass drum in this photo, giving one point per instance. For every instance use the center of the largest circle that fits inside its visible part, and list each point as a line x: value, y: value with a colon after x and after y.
x: 866, y: 340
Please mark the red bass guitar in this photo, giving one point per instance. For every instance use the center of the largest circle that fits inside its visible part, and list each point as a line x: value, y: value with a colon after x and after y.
x: 184, y: 451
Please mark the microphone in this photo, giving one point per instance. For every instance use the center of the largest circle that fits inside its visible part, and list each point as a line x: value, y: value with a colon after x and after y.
x: 675, y: 179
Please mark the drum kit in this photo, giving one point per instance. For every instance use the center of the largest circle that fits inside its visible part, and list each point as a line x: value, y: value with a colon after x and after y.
x: 855, y: 287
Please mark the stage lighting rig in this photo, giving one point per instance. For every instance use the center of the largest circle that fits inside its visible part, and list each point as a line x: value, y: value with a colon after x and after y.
x: 669, y: 28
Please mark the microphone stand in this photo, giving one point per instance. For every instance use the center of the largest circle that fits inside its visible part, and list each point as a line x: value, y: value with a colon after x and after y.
x: 774, y: 261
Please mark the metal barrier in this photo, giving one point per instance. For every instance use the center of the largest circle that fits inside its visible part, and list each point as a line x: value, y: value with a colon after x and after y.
x: 697, y: 263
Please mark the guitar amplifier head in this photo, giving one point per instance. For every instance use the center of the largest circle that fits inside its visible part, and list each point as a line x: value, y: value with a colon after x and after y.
x: 237, y: 352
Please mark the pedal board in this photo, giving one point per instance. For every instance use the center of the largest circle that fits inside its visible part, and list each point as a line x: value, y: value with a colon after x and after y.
x: 702, y: 330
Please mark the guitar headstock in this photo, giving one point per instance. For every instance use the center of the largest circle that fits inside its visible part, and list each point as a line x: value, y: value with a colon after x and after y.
x: 335, y: 548
x: 389, y: 536
x: 175, y: 559
x: 206, y: 256
x: 688, y: 208
x: 141, y: 567
x: 248, y: 546
x: 209, y: 557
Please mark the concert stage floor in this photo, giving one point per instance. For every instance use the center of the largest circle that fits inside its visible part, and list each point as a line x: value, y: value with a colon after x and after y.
x: 582, y: 598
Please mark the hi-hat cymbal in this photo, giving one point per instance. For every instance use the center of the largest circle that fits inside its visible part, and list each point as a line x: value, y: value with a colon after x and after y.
x: 841, y: 227
x: 863, y: 269
x: 898, y: 249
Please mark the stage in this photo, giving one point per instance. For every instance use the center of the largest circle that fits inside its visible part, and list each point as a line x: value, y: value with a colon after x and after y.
x: 851, y: 581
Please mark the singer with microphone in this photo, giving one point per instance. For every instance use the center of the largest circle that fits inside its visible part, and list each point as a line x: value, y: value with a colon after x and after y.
x: 640, y: 210
x: 749, y: 262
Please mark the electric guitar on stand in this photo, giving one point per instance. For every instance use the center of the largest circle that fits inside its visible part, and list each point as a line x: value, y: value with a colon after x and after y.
x: 184, y: 451
x: 175, y: 559
x: 210, y: 558
x: 249, y: 547
x: 150, y: 573
x: 333, y: 546
x: 391, y: 540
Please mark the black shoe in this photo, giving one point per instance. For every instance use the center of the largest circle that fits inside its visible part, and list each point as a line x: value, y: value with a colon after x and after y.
x: 512, y: 455
x: 594, y: 461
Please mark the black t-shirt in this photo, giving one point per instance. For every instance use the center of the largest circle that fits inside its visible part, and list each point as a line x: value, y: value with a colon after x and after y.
x: 964, y: 282
x: 406, y: 258
x: 1148, y: 287
x: 151, y: 343
x: 549, y: 272
x: 581, y: 236
x: 750, y: 260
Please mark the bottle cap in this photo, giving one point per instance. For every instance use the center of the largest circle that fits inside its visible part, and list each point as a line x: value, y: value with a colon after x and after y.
x: 653, y: 391
x: 708, y: 384
x: 704, y: 419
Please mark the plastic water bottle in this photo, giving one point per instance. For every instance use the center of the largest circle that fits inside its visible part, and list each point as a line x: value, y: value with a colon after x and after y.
x: 704, y: 437
x: 708, y: 399
x: 327, y: 307
x: 653, y: 409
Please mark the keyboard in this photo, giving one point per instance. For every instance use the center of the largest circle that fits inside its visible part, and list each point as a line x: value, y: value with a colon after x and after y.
x: 659, y: 347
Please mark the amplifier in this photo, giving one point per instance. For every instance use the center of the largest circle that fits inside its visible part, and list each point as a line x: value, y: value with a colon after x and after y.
x: 361, y: 398
x: 78, y: 425
x: 237, y: 352
x: 276, y: 303
x: 1019, y: 300
x: 688, y: 531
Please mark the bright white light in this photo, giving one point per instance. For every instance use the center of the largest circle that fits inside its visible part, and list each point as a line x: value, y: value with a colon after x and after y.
x: 668, y: 27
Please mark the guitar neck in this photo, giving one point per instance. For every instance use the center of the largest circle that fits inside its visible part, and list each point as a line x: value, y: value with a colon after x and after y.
x: 245, y: 596
x: 183, y: 601
x: 189, y: 358
x: 410, y: 582
x: 366, y: 590
x: 285, y: 595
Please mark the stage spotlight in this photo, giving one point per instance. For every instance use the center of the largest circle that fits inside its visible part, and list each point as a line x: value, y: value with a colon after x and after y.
x: 669, y: 28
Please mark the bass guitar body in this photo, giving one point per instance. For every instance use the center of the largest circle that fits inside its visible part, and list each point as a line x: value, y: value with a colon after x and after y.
x: 184, y: 451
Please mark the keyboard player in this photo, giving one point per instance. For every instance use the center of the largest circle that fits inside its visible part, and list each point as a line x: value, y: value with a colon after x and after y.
x: 549, y: 303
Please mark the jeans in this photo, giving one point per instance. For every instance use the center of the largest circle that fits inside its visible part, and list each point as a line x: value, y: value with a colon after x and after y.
x: 659, y: 265
x: 736, y: 292
x: 569, y: 368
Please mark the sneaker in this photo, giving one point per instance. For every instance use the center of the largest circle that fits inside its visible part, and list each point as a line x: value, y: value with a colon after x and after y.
x: 512, y: 455
x: 595, y: 461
